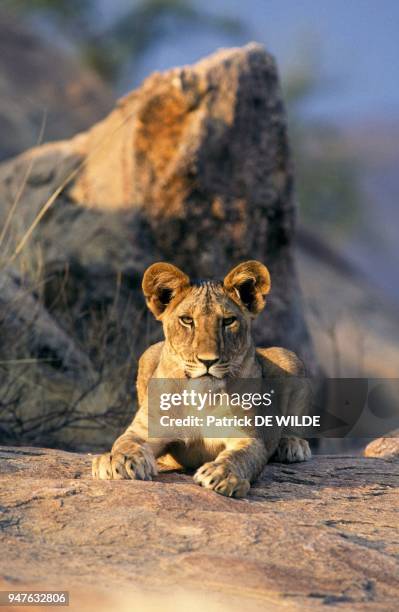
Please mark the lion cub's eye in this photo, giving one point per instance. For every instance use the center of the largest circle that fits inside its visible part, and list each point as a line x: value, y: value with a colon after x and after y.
x: 229, y: 321
x: 186, y: 320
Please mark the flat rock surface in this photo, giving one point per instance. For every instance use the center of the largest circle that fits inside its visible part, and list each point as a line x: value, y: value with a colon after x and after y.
x: 309, y: 535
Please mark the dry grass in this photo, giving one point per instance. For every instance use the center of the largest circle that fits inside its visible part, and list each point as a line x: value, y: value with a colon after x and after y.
x: 43, y: 400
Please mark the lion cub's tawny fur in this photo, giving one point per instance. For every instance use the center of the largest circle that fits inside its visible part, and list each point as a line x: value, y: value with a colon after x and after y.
x: 207, y: 327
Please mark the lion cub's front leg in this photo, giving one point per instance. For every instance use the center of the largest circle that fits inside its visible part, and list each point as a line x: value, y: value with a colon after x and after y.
x: 292, y: 450
x: 135, y: 462
x: 130, y: 457
x: 222, y: 478
x: 233, y: 470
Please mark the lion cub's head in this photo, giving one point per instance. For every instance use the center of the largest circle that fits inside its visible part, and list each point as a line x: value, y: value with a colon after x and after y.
x: 207, y: 323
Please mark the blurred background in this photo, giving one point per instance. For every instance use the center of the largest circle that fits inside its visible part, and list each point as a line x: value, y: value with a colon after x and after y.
x: 69, y: 60
x: 339, y: 66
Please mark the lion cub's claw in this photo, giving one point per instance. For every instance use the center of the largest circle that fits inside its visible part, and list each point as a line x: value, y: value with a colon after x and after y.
x: 292, y: 450
x: 138, y: 464
x: 219, y: 478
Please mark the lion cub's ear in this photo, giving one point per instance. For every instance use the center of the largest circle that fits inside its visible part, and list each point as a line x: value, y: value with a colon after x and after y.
x: 161, y: 283
x: 247, y: 284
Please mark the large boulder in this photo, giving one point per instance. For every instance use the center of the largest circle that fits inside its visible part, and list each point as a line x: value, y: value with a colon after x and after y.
x: 192, y: 168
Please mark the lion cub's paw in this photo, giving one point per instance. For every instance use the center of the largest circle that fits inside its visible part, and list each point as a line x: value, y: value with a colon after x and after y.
x: 292, y: 450
x: 139, y: 463
x: 220, y: 478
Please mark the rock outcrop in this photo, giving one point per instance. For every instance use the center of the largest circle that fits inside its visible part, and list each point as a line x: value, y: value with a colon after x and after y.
x: 309, y: 535
x: 43, y: 82
x: 197, y: 160
x: 193, y: 168
x: 355, y: 328
x: 42, y: 337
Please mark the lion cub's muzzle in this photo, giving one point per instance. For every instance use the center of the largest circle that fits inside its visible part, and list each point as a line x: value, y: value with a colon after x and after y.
x: 207, y: 367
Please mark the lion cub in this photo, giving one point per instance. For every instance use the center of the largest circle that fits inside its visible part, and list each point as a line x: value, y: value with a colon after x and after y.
x: 207, y: 327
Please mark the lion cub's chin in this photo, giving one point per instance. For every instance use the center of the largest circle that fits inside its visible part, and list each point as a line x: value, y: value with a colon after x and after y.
x: 207, y: 376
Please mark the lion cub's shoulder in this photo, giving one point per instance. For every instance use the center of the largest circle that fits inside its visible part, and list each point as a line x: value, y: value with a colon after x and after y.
x: 278, y: 361
x: 148, y: 363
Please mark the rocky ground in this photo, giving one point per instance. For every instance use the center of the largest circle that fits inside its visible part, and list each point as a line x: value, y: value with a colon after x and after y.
x: 323, y: 533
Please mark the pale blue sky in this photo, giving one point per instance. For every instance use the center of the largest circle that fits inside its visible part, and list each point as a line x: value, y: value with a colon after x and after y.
x: 356, y: 42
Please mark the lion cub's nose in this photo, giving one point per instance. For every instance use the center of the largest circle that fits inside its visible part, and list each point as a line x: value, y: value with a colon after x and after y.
x: 207, y: 360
